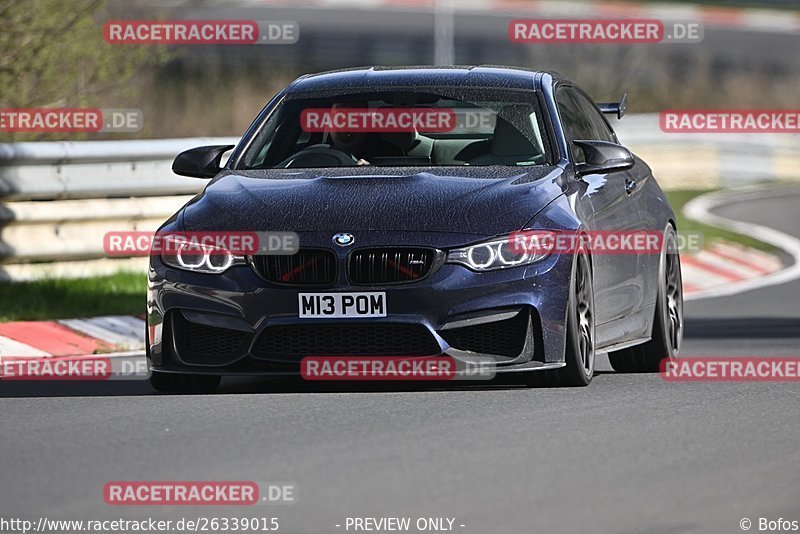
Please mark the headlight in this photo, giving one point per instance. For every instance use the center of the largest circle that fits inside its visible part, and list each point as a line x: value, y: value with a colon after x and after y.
x: 504, y: 252
x: 201, y: 258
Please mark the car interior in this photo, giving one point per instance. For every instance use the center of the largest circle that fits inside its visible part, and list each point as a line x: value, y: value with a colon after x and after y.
x: 485, y: 134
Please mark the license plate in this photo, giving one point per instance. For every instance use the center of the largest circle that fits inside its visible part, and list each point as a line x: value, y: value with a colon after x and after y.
x: 340, y: 305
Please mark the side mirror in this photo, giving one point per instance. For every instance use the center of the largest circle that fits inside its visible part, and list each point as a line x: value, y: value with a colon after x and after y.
x: 200, y: 162
x: 603, y: 157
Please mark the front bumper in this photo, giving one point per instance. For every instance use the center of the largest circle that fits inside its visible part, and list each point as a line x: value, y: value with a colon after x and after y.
x: 237, y: 323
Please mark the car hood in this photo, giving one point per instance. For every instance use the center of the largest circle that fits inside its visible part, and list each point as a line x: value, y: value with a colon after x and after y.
x: 463, y: 200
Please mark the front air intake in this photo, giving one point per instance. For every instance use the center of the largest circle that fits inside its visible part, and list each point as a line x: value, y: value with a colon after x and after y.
x: 376, y: 266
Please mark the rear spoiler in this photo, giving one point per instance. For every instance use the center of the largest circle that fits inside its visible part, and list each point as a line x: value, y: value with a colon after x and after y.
x: 615, y: 108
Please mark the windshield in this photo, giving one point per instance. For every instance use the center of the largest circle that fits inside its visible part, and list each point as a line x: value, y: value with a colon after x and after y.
x: 401, y: 128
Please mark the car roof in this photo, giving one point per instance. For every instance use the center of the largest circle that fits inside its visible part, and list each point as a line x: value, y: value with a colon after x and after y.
x: 420, y: 76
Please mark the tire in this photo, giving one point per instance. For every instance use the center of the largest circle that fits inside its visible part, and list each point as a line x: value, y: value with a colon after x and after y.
x: 183, y: 383
x: 579, y: 350
x: 667, y: 333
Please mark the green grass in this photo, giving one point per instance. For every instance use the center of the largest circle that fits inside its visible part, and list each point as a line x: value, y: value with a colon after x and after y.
x: 64, y: 298
x: 678, y: 198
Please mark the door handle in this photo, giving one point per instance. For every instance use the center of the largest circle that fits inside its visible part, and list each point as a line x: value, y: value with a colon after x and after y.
x: 630, y: 185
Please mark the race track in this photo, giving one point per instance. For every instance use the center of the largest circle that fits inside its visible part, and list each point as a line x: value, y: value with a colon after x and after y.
x: 629, y: 454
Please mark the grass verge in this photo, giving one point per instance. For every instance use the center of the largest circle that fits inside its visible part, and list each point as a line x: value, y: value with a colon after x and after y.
x: 65, y: 298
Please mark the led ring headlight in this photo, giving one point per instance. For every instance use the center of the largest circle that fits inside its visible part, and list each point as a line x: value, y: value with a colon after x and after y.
x: 471, y: 256
x: 494, y: 255
x: 202, y: 259
x: 181, y: 258
x: 517, y: 261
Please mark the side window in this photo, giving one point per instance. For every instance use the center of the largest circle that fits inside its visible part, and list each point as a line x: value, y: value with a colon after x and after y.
x: 577, y: 125
x: 601, y: 127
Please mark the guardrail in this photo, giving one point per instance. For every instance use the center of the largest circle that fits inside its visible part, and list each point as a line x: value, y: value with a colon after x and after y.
x: 58, y: 199
x: 710, y: 160
x: 95, y: 169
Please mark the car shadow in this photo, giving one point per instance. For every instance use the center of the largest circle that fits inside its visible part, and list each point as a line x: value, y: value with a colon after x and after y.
x: 241, y: 385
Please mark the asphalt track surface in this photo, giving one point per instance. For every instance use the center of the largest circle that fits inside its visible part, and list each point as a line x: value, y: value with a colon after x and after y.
x: 629, y: 454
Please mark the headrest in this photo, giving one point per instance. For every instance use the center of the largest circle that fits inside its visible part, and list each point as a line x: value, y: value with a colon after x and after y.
x: 405, y: 141
x: 508, y: 140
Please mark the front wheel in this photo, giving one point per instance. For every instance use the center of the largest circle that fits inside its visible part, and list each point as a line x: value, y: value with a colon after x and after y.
x: 667, y: 322
x: 579, y: 353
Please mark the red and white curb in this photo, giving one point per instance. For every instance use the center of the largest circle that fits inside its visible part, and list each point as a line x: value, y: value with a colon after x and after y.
x: 723, y: 264
x: 72, y: 337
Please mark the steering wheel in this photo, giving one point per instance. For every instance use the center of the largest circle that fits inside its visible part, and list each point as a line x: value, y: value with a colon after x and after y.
x: 318, y: 156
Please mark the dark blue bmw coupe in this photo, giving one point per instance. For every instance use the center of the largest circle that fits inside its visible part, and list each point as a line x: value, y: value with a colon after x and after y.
x: 410, y: 191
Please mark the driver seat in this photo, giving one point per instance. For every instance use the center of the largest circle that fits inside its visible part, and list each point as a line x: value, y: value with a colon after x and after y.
x: 508, y: 146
